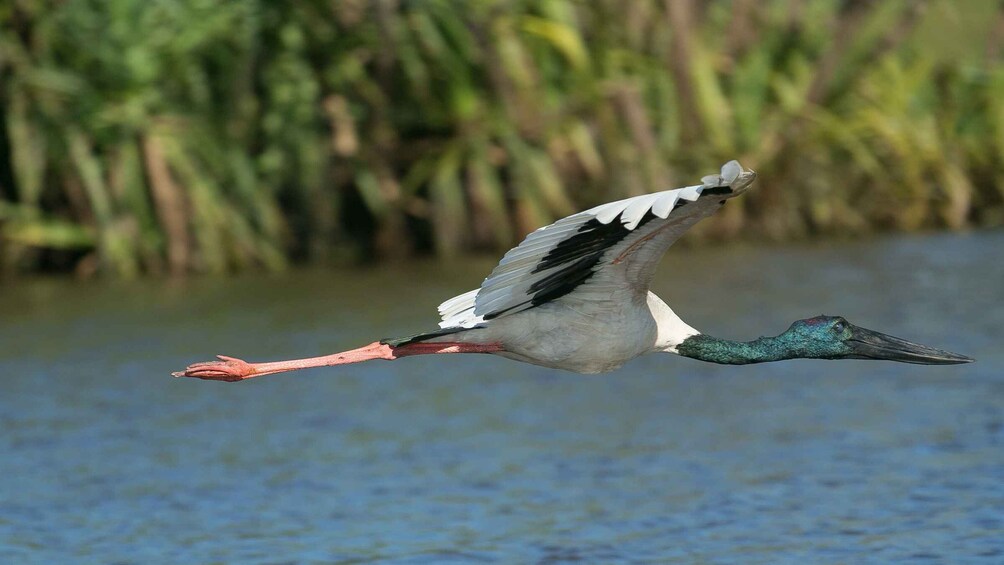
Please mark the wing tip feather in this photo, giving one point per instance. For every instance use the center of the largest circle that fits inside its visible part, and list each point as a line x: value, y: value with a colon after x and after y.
x: 732, y: 175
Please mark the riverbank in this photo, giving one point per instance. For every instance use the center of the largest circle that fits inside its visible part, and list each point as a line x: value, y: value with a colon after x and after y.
x: 218, y: 137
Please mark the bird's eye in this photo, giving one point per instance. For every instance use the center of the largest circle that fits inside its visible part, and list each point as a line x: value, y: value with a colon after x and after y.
x: 839, y: 327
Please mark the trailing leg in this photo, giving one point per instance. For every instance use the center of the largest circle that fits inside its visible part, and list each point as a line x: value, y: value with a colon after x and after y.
x: 231, y: 369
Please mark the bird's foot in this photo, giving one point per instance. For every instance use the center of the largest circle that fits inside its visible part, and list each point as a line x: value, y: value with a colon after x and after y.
x: 228, y: 369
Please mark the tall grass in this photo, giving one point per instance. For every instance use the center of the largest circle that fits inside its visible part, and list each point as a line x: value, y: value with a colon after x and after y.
x: 156, y: 136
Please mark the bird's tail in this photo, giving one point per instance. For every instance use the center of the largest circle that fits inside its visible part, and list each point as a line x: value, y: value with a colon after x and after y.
x: 400, y: 341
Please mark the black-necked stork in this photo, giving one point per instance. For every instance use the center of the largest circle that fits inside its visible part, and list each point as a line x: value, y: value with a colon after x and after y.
x: 574, y: 295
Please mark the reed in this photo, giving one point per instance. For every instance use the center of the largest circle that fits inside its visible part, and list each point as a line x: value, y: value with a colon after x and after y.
x: 183, y: 136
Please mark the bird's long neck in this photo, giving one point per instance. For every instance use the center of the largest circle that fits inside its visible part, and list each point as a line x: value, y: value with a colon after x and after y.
x: 715, y: 350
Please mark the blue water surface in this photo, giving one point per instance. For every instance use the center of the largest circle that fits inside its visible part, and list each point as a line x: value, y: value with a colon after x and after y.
x: 104, y: 458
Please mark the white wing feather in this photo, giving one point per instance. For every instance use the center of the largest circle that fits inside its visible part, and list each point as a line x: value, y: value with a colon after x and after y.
x: 508, y: 288
x: 457, y: 304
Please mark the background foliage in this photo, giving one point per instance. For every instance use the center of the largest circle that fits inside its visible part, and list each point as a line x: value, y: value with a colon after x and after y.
x: 208, y: 135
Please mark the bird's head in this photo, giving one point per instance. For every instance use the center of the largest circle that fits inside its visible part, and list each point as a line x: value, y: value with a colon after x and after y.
x: 833, y: 337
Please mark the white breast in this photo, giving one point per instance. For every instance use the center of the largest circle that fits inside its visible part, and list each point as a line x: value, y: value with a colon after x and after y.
x: 672, y: 330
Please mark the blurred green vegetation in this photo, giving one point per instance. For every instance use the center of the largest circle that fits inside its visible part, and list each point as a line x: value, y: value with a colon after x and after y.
x: 157, y: 136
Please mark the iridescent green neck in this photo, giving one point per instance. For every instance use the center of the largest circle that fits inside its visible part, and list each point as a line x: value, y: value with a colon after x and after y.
x: 821, y: 337
x: 712, y: 349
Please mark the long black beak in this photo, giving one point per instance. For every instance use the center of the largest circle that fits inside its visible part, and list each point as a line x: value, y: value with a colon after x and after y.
x: 867, y: 344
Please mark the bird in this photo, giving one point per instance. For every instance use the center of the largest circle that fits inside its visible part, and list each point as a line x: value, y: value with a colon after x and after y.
x: 574, y: 295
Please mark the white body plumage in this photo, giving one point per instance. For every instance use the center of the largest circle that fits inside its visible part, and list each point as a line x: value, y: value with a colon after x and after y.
x: 570, y: 334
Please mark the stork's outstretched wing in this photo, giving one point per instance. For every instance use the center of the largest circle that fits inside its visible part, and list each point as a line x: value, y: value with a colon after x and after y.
x: 617, y: 244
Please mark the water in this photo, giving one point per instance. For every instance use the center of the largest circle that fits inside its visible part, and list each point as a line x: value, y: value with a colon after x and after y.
x: 105, y: 458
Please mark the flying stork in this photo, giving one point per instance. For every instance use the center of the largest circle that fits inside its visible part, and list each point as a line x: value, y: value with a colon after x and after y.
x: 574, y: 295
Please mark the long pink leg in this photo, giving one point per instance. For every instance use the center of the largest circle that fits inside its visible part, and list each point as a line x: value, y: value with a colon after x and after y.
x: 232, y: 369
